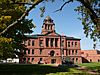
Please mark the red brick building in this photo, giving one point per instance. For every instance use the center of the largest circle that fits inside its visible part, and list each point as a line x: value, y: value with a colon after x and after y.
x: 49, y: 47
x: 90, y: 56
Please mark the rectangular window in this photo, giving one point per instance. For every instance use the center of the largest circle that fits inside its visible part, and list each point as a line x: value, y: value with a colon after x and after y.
x: 56, y: 42
x: 41, y: 43
x: 47, y: 42
x: 68, y: 44
x: 40, y: 59
x: 72, y: 52
x: 32, y: 51
x: 52, y: 42
x: 28, y: 51
x: 29, y: 42
x: 76, y: 52
x: 32, y: 59
x: 76, y: 59
x: 75, y: 44
x: 69, y: 52
x: 28, y: 59
x: 73, y: 60
x: 40, y: 51
x: 32, y: 42
x: 72, y: 44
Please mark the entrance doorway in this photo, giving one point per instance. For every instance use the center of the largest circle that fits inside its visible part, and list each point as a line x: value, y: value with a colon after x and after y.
x: 53, y: 61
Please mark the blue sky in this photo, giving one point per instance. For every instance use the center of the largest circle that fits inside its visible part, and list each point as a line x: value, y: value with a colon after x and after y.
x: 66, y: 22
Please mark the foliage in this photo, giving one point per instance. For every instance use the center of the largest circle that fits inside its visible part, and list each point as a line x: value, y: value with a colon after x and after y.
x: 11, y: 41
x: 89, y: 10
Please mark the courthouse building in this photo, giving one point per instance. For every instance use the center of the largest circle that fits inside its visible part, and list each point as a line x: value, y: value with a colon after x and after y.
x: 50, y: 47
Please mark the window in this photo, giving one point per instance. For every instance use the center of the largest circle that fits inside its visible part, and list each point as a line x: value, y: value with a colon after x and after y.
x: 40, y: 59
x: 29, y: 42
x: 53, y: 61
x: 45, y: 26
x: 52, y: 42
x: 68, y: 44
x: 75, y: 44
x: 32, y: 42
x: 76, y: 59
x: 69, y: 52
x: 72, y: 52
x: 41, y: 44
x: 73, y: 60
x: 40, y: 51
x: 72, y: 44
x: 51, y: 27
x: 28, y: 59
x: 32, y: 51
x: 28, y: 51
x: 56, y: 42
x: 32, y: 59
x: 76, y: 52
x: 98, y: 60
x: 90, y: 60
x: 47, y: 42
x: 52, y: 53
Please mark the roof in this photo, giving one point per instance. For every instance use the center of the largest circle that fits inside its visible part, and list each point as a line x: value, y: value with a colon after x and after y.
x: 32, y: 36
x: 48, y: 18
x: 35, y: 36
x: 72, y: 38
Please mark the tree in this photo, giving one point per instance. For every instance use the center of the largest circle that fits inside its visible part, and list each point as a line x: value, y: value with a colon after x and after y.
x: 89, y: 10
x: 13, y: 13
x: 11, y: 40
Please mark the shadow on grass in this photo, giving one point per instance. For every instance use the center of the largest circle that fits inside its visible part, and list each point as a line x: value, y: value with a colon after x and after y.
x: 25, y: 69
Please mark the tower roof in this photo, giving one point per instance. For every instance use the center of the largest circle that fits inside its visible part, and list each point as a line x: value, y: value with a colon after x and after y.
x: 48, y: 18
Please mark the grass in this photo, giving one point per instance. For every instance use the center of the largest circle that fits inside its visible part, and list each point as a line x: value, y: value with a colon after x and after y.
x: 30, y: 69
x: 94, y: 65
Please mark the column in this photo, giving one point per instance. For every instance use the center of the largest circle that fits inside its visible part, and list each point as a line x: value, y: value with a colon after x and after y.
x: 54, y: 42
x: 49, y: 42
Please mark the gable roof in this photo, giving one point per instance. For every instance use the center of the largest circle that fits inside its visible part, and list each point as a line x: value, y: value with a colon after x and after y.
x: 52, y: 33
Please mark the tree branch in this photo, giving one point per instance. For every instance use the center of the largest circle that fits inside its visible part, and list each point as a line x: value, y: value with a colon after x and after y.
x: 63, y: 5
x: 22, y: 17
x: 22, y: 3
x: 93, y: 15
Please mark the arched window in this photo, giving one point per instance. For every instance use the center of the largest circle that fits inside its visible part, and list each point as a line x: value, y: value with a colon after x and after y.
x: 52, y: 53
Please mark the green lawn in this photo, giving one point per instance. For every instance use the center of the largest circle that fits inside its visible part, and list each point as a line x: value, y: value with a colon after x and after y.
x: 94, y: 65
x: 29, y: 69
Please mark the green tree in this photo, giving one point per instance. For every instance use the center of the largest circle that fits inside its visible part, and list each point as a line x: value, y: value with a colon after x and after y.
x: 11, y: 40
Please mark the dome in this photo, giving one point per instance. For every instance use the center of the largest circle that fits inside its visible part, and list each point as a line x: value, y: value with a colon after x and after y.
x: 48, y: 18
